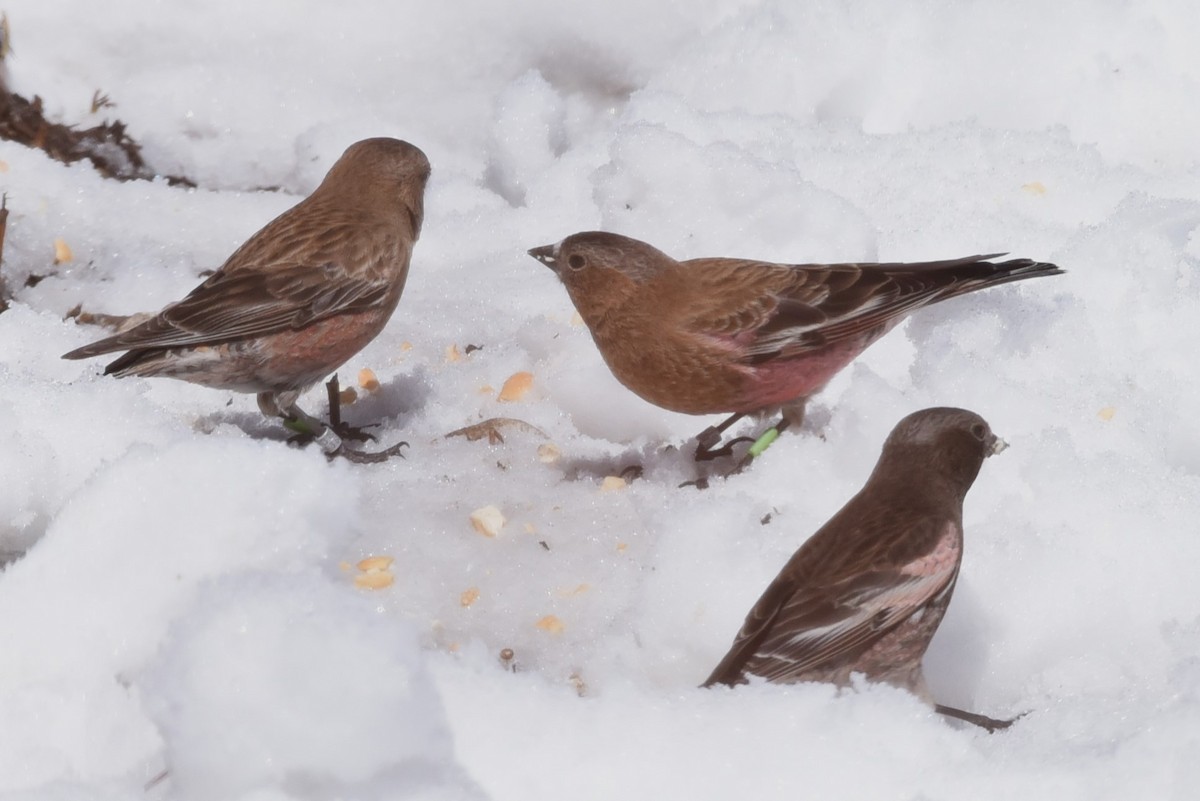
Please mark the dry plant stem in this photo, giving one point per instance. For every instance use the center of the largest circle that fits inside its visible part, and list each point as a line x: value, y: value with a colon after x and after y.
x: 107, y: 146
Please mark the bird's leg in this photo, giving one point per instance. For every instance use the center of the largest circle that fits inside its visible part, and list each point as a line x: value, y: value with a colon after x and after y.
x: 305, y: 427
x: 707, y: 440
x: 310, y: 429
x: 344, y: 430
x: 355, y: 433
x: 763, y: 442
x: 983, y: 721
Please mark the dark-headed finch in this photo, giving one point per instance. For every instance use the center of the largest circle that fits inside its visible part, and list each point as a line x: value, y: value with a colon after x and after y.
x: 738, y: 336
x: 867, y: 591
x: 300, y: 297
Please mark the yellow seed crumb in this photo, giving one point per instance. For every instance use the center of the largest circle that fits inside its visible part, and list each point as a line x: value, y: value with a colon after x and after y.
x: 375, y: 563
x: 622, y: 547
x: 3, y: 165
x: 1107, y: 413
x: 344, y: 567
x: 348, y: 396
x: 375, y: 580
x: 367, y: 379
x: 551, y: 624
x: 516, y: 386
x: 613, y: 483
x: 1035, y: 188
x: 530, y: 528
x: 452, y: 354
x: 62, y: 251
x: 571, y: 592
x: 488, y: 520
x: 548, y: 453
x: 469, y: 596
x: 486, y: 389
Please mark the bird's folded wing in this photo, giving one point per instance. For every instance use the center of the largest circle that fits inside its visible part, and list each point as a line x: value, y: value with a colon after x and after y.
x: 794, y: 629
x: 777, y: 310
x: 816, y: 630
x: 237, y: 305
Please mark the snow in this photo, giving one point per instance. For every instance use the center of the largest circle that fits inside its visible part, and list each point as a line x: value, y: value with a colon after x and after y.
x: 182, y: 595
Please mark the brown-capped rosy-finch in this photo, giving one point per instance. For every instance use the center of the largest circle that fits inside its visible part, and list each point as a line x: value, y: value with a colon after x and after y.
x: 866, y: 592
x: 300, y: 297
x: 739, y: 336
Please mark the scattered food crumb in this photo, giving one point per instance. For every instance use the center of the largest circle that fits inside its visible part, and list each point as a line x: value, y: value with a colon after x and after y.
x: 516, y: 386
x: 613, y: 483
x: 374, y: 573
x: 375, y: 580
x: 487, y: 520
x: 367, y: 380
x: 62, y: 251
x: 375, y: 563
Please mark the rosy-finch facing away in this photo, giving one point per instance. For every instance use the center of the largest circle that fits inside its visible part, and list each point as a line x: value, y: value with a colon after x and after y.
x: 738, y: 336
x: 300, y: 297
x: 867, y: 591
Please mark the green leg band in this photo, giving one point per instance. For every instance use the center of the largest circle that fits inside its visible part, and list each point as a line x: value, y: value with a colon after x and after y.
x: 763, y: 442
x: 299, y: 425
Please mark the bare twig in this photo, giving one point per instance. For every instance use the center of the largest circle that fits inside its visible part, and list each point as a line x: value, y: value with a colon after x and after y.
x: 100, y: 101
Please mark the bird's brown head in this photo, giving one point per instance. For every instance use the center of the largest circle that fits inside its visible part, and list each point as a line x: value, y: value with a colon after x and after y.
x: 380, y: 174
x: 601, y: 270
x: 940, y: 442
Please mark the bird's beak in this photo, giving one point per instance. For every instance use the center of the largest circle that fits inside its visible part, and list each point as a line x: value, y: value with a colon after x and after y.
x: 997, y: 446
x: 547, y: 255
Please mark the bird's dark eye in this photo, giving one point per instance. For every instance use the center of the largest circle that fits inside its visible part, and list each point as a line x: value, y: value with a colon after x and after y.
x: 576, y: 262
x: 979, y: 431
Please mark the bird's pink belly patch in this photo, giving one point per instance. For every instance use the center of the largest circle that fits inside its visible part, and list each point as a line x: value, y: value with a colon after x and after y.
x: 776, y: 382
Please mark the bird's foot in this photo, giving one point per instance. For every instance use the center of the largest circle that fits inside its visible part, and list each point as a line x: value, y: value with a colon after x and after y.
x: 708, y: 439
x: 706, y: 452
x: 363, y: 457
x: 354, y: 433
x: 991, y: 725
x: 307, y: 431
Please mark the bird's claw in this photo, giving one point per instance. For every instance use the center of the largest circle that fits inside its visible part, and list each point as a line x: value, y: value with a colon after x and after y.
x: 706, y: 453
x: 363, y: 457
x: 354, y: 433
x: 990, y: 725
